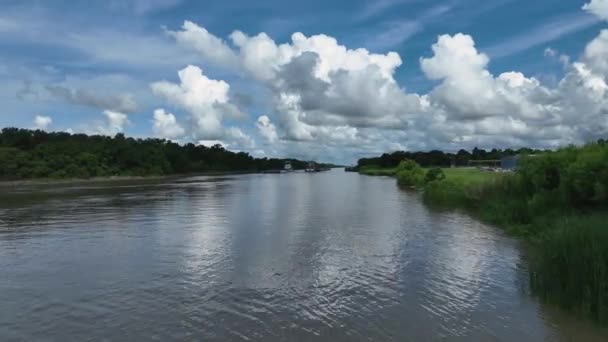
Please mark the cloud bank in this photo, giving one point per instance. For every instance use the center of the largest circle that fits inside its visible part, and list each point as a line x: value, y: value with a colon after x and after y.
x: 328, y: 97
x: 166, y: 126
x: 121, y: 103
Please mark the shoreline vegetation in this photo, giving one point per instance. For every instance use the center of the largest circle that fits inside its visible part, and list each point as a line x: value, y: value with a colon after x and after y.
x: 41, y: 157
x: 556, y: 200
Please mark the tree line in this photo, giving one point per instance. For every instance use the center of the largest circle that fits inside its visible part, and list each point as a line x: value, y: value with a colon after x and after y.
x: 28, y: 153
x: 443, y: 159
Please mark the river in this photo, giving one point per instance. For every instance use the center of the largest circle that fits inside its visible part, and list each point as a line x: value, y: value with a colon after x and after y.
x: 329, y: 256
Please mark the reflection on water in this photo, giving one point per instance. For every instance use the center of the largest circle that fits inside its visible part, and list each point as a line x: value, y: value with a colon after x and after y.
x: 332, y: 256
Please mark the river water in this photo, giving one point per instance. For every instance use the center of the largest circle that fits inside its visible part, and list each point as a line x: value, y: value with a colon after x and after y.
x: 282, y: 257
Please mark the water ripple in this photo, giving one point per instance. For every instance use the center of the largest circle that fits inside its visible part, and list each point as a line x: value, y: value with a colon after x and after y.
x: 332, y: 256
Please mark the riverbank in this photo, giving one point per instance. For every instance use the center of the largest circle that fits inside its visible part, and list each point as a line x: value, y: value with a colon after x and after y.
x: 60, y: 181
x: 464, y: 174
x: 557, y: 201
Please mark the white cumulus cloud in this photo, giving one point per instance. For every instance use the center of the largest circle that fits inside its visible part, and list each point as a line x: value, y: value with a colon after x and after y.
x: 42, y: 122
x: 213, y: 48
x: 598, y: 7
x: 114, y: 123
x: 238, y: 140
x: 332, y: 96
x: 206, y: 100
x: 267, y: 129
x: 315, y: 81
x: 166, y: 125
x: 469, y: 91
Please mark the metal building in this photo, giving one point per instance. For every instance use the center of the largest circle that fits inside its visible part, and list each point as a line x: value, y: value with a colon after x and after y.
x: 509, y: 163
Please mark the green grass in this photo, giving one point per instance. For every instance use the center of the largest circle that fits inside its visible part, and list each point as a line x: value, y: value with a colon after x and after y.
x: 377, y: 171
x: 463, y: 187
x: 465, y: 175
x: 470, y: 176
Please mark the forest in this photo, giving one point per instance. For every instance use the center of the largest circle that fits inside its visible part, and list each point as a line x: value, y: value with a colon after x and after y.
x: 28, y: 154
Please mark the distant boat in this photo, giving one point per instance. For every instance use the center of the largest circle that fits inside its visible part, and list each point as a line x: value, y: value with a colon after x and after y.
x: 314, y: 167
x: 286, y: 168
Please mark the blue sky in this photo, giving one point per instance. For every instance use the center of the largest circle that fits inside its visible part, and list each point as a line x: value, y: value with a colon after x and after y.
x: 71, y: 61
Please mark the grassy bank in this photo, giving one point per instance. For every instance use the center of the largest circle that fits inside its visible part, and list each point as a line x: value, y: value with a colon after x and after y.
x: 377, y: 171
x: 463, y: 174
x: 558, y: 201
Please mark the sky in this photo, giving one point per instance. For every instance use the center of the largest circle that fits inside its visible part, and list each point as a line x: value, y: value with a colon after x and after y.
x: 325, y: 80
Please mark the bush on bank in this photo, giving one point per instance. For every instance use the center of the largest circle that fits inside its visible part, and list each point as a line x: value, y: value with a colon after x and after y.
x: 434, y: 174
x: 409, y: 173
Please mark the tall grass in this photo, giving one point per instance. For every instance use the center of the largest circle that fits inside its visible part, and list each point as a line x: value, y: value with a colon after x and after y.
x: 571, y: 267
x: 469, y: 175
x: 462, y: 187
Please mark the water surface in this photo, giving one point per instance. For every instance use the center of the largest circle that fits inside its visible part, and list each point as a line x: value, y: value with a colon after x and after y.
x: 293, y: 257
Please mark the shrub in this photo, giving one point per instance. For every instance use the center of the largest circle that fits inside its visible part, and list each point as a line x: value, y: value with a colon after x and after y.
x: 409, y: 173
x: 407, y: 165
x: 541, y: 173
x: 586, y: 179
x: 578, y: 176
x: 434, y: 174
x: 410, y: 177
